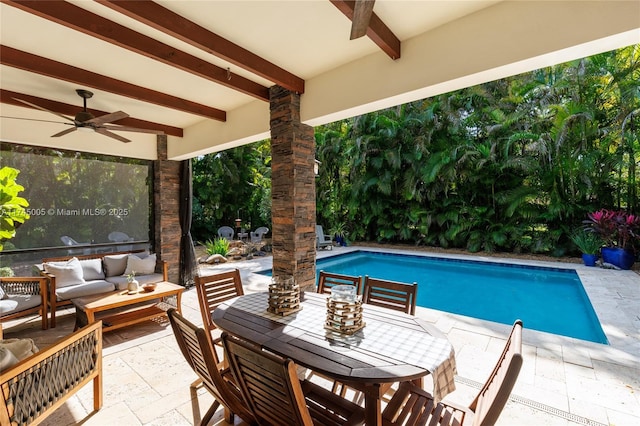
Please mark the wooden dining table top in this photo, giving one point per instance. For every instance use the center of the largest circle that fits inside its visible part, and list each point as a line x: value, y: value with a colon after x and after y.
x: 392, y: 346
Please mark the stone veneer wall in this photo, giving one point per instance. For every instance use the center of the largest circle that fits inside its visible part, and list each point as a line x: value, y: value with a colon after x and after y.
x: 166, y: 199
x: 293, y: 190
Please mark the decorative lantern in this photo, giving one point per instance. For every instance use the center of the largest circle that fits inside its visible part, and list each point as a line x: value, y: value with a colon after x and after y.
x: 284, y: 295
x: 344, y: 310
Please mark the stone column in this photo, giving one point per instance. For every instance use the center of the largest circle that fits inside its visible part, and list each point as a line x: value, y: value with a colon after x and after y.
x: 293, y: 190
x: 166, y: 199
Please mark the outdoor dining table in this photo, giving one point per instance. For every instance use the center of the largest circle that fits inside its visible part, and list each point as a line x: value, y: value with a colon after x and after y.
x: 392, y: 347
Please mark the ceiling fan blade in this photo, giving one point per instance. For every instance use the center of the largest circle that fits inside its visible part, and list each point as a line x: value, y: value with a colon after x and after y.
x: 116, y: 128
x: 108, y: 118
x: 362, y: 12
x: 34, y: 119
x: 64, y: 132
x: 105, y: 132
x: 43, y: 109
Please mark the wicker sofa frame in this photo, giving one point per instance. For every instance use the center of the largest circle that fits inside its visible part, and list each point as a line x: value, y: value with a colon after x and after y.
x: 38, y: 385
x: 54, y: 303
x: 16, y: 286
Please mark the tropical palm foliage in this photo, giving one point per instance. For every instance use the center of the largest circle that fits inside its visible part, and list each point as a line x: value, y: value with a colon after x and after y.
x: 510, y: 165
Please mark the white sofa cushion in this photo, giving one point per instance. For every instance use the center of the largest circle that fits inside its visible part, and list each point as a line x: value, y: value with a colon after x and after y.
x: 67, y: 273
x: 92, y: 269
x: 19, y: 302
x: 86, y: 289
x: 140, y: 265
x: 121, y: 281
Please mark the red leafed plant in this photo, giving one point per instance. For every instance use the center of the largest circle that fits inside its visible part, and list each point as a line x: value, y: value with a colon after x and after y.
x: 616, y: 228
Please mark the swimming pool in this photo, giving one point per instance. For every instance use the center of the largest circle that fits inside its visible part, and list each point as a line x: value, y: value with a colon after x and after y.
x: 546, y: 299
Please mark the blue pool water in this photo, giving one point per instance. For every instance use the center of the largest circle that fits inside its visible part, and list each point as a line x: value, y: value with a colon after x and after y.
x: 546, y: 299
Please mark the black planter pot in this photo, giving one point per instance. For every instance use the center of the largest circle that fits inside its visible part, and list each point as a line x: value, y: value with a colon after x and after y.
x: 619, y: 257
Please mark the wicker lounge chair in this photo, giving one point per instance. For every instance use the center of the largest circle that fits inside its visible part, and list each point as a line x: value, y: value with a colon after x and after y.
x: 256, y: 236
x: 226, y: 232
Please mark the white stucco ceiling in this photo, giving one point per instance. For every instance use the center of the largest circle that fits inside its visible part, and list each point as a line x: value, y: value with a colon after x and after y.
x: 445, y: 45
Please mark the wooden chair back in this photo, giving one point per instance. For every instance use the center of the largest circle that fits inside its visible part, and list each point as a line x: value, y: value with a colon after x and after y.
x: 390, y: 294
x: 413, y: 406
x: 268, y: 383
x: 493, y: 396
x: 196, y: 347
x: 214, y: 289
x: 328, y: 279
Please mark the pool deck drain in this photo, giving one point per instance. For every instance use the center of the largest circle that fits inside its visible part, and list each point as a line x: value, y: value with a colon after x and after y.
x: 536, y: 405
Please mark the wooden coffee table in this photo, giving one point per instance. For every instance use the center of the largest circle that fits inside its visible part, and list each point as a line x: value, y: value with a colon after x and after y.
x: 120, y: 309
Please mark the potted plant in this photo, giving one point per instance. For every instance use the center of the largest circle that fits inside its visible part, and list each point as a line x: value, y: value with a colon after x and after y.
x: 339, y: 232
x: 619, y: 231
x: 589, y: 244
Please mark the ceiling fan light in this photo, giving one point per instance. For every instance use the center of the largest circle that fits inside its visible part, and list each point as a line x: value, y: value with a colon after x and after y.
x: 85, y: 129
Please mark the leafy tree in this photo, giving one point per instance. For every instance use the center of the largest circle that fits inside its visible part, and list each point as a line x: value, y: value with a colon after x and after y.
x: 12, y: 207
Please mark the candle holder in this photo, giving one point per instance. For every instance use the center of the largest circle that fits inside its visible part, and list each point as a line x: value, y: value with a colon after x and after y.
x: 284, y: 296
x: 344, y: 310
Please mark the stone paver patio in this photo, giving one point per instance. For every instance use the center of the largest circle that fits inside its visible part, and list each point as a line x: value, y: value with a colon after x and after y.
x: 564, y: 381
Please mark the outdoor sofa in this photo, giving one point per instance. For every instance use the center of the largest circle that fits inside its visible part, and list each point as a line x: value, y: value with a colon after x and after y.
x: 71, y: 277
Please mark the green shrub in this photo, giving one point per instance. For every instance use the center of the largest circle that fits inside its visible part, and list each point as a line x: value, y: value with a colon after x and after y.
x: 217, y: 246
x: 587, y: 242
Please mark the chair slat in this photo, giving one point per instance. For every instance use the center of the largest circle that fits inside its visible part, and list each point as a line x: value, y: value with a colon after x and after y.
x: 413, y: 406
x: 327, y: 280
x: 390, y: 294
x: 274, y: 393
x: 215, y: 289
x: 197, y: 348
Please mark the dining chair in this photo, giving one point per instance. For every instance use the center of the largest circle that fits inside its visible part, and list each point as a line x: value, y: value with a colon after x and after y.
x: 214, y: 289
x: 327, y: 280
x: 275, y: 394
x: 196, y: 347
x: 390, y: 294
x: 413, y: 406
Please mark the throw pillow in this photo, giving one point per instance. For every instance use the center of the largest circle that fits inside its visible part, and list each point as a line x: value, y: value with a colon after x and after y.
x: 66, y: 273
x: 140, y: 266
x: 3, y: 294
x: 115, y: 264
x: 13, y: 351
x: 92, y: 269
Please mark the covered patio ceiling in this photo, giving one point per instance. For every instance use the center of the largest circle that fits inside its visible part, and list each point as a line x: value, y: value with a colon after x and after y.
x: 200, y: 70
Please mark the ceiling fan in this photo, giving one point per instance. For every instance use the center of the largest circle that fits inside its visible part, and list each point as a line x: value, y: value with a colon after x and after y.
x: 85, y: 121
x: 362, y: 11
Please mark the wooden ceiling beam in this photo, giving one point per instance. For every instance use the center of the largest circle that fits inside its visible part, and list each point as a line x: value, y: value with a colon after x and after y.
x: 89, y: 23
x: 169, y: 22
x: 9, y: 97
x: 50, y: 68
x: 377, y: 31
